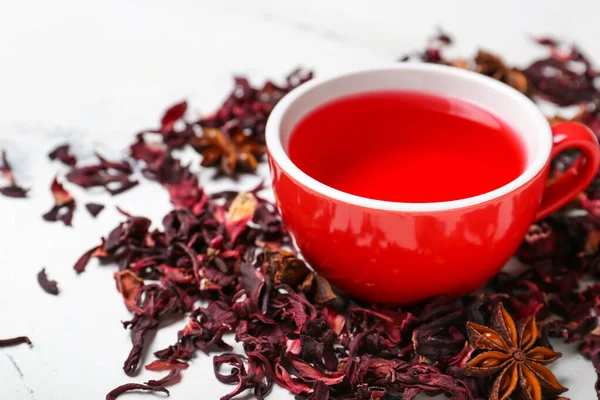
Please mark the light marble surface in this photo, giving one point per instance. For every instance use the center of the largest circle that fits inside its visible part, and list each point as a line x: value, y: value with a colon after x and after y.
x: 94, y: 73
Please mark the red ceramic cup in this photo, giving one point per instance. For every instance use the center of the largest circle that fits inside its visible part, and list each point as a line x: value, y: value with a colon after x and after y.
x: 392, y: 252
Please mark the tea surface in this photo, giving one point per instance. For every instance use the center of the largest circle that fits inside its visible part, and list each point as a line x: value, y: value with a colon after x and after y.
x: 407, y: 147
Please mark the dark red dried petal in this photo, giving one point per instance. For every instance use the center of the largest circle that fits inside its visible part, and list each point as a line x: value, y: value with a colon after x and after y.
x: 64, y: 204
x: 159, y: 365
x: 62, y: 154
x: 115, y: 176
x: 84, y: 259
x: 123, y: 187
x: 5, y: 168
x: 547, y: 41
x: 49, y: 286
x: 15, y: 341
x: 128, y: 387
x: 94, y: 209
x: 129, y: 285
x: 172, y: 115
x: 14, y: 191
x: 171, y: 378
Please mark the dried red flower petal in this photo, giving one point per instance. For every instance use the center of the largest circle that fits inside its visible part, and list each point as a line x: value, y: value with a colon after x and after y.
x: 15, y: 341
x: 64, y: 205
x: 62, y: 153
x: 12, y: 189
x: 172, y: 115
x: 5, y: 168
x: 559, y: 79
x: 115, y: 177
x: 49, y: 286
x: 129, y: 285
x: 171, y: 378
x: 538, y: 243
x: 83, y: 260
x: 253, y: 377
x: 159, y: 365
x: 248, y: 108
x: 94, y: 208
x: 128, y: 387
x: 546, y: 41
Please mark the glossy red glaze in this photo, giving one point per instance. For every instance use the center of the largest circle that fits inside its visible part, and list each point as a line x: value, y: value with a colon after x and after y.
x: 399, y: 252
x: 570, y: 136
x: 401, y: 257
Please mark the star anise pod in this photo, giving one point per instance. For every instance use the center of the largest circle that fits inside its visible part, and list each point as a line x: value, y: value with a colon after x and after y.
x: 492, y: 66
x: 229, y: 151
x: 508, y: 351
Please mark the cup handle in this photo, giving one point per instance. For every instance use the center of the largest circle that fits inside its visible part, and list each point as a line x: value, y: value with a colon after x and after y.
x: 570, y: 135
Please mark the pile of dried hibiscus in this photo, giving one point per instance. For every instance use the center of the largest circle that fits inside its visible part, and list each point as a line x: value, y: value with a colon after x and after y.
x: 225, y: 249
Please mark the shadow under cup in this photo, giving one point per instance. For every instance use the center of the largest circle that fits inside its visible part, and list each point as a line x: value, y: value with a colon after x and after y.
x: 392, y: 252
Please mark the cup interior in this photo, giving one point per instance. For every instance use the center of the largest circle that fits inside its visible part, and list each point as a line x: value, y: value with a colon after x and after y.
x: 497, y: 98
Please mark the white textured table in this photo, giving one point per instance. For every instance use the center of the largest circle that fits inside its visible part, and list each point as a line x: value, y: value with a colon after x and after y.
x: 93, y: 73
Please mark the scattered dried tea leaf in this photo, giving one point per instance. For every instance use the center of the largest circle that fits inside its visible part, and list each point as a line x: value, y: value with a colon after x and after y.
x: 243, y: 206
x: 15, y: 341
x: 6, y: 169
x: 247, y: 108
x: 84, y: 259
x: 172, y: 115
x: 62, y: 154
x: 115, y: 177
x: 158, y: 365
x: 173, y: 377
x: 129, y: 285
x: 64, y: 204
x: 49, y: 286
x: 12, y: 189
x: 128, y: 387
x: 94, y: 208
x: 241, y: 211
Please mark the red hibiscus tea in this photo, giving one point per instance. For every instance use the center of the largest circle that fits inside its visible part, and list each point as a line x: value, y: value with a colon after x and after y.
x: 407, y: 147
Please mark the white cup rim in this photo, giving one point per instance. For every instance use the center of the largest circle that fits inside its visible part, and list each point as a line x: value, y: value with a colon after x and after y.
x: 542, y: 153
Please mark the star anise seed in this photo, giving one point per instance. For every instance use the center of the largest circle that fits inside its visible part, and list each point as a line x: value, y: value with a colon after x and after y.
x: 507, y: 350
x: 492, y: 66
x: 231, y: 152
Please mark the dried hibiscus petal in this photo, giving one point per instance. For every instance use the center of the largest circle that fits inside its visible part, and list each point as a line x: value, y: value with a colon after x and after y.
x: 241, y: 211
x: 129, y: 285
x: 5, y: 168
x: 172, y: 115
x: 128, y: 387
x: 64, y: 204
x: 115, y: 177
x: 49, y: 286
x: 171, y: 378
x: 15, y: 341
x: 94, y: 209
x: 12, y: 189
x: 84, y: 259
x: 62, y: 153
x: 159, y: 365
